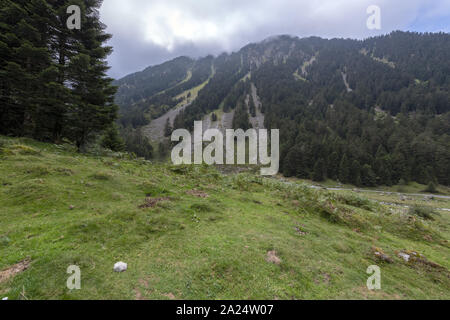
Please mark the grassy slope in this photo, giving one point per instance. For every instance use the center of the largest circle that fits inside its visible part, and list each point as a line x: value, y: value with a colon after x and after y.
x: 193, y: 91
x: 198, y: 248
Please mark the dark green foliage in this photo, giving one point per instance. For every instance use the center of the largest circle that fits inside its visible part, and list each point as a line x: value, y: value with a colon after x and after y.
x: 356, y: 201
x: 137, y: 143
x: 390, y: 127
x: 152, y: 92
x: 112, y: 140
x: 241, y: 119
x: 53, y: 82
x: 144, y: 84
x: 344, y: 170
x: 368, y: 177
x: 393, y: 125
x: 223, y: 85
x: 431, y: 188
x: 168, y: 128
x: 163, y: 149
x: 319, y: 172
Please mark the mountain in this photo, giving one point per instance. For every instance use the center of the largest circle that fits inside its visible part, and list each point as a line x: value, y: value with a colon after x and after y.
x: 367, y: 112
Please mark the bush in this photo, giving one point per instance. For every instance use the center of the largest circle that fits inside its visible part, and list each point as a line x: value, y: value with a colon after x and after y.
x: 137, y: 143
x: 423, y: 212
x: 112, y: 140
x: 356, y: 201
x: 244, y: 181
x: 431, y: 188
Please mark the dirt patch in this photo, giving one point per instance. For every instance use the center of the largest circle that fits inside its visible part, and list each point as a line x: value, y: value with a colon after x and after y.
x: 15, y: 269
x: 197, y: 193
x: 143, y: 283
x: 170, y: 295
x: 152, y: 202
x: 272, y: 257
x: 138, y: 295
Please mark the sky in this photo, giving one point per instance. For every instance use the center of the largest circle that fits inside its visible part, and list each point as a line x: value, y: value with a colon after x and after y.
x: 149, y: 32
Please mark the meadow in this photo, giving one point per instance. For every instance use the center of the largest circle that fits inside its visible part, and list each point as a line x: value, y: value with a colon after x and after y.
x: 193, y: 232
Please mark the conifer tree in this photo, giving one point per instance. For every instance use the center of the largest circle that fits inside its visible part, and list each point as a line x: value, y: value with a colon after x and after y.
x: 92, y: 108
x: 53, y: 81
x: 112, y: 140
x: 23, y: 46
x: 344, y: 170
x: 168, y: 129
x: 319, y: 171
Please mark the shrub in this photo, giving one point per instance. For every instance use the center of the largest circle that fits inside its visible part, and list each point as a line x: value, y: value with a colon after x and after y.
x: 423, y: 212
x: 431, y: 188
x: 355, y: 201
x: 112, y: 140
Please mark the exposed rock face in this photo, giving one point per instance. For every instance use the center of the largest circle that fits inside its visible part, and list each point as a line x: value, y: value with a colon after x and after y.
x: 258, y: 121
x: 155, y: 130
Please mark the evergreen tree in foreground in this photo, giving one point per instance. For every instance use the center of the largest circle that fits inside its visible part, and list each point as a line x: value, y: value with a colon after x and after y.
x: 53, y: 81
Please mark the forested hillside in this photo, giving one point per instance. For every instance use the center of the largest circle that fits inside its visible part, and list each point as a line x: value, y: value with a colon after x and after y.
x: 371, y: 112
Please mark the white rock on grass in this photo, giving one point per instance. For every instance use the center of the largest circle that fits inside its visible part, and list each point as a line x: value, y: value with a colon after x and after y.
x: 120, y: 267
x: 5, y: 298
x: 404, y: 256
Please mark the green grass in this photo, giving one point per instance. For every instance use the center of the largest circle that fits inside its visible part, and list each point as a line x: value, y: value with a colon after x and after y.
x: 411, y: 187
x: 60, y: 208
x: 193, y: 91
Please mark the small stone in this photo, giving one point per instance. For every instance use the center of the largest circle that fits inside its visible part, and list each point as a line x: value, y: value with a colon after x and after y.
x: 71, y: 207
x: 404, y: 256
x: 5, y: 298
x: 120, y: 267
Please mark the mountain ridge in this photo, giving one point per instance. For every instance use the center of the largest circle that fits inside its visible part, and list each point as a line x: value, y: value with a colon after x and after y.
x: 386, y: 91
